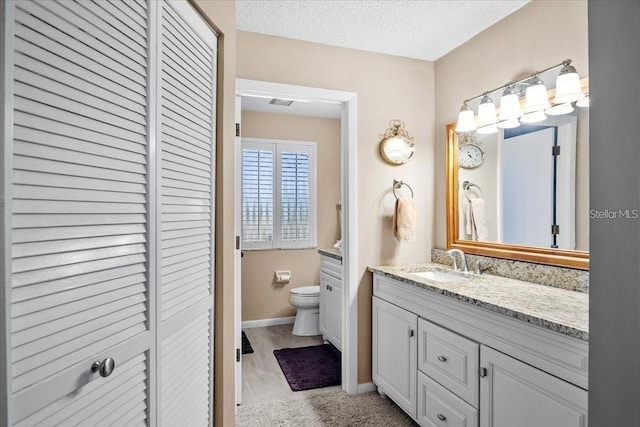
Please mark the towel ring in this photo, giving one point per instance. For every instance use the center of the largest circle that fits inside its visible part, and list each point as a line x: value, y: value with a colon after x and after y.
x: 466, y: 186
x: 398, y: 184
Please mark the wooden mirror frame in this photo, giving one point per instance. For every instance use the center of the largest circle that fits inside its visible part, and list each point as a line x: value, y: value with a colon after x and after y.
x: 539, y: 255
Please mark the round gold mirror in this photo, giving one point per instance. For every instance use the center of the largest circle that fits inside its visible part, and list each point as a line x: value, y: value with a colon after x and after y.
x: 396, y: 146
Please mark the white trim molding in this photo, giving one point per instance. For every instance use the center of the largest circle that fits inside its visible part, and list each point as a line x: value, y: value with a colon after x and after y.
x: 366, y: 388
x: 248, y: 324
x: 348, y: 102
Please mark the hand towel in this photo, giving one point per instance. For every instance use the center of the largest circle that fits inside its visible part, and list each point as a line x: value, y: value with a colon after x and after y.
x: 404, y: 221
x: 479, y: 219
x: 470, y: 231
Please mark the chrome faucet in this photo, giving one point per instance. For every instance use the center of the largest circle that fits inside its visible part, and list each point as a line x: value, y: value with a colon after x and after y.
x: 463, y: 259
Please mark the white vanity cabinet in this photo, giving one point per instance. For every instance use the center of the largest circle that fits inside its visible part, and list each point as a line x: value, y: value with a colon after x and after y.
x: 448, y: 363
x: 516, y: 394
x: 394, y: 362
x: 331, y: 300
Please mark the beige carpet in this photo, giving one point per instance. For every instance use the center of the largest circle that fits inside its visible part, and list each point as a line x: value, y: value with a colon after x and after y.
x: 333, y: 408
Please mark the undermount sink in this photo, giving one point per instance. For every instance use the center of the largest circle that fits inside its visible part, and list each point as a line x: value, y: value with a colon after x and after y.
x: 439, y: 276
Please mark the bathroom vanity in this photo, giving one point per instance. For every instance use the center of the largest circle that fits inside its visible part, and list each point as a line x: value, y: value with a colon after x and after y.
x: 331, y: 297
x: 454, y: 349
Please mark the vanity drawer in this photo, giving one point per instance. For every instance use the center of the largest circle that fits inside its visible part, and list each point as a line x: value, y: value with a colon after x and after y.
x: 450, y: 359
x: 438, y: 407
x: 331, y: 266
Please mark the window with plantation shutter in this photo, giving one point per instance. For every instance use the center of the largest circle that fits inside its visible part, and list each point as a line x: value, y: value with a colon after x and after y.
x: 278, y: 194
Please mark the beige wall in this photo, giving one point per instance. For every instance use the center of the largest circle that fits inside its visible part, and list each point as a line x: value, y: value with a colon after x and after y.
x: 262, y: 298
x: 538, y: 35
x: 222, y: 16
x: 387, y: 88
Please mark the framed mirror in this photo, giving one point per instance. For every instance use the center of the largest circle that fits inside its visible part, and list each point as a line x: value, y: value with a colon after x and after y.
x: 533, y: 197
x: 396, y: 146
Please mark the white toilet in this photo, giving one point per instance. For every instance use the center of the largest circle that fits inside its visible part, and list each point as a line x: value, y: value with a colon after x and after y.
x: 306, y: 300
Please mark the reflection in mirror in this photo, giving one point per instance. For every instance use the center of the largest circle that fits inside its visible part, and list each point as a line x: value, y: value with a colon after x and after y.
x: 524, y: 192
x: 513, y: 198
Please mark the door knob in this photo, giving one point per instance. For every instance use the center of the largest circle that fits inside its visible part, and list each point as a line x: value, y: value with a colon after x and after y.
x: 105, y: 368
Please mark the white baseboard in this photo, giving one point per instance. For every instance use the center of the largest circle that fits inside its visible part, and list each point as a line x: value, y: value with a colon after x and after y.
x: 267, y: 322
x: 366, y: 388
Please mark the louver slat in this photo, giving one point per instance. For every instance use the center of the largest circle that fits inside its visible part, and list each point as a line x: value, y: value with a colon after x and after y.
x: 79, y: 282
x: 186, y: 208
x: 187, y: 176
x: 185, y: 363
x: 130, y: 374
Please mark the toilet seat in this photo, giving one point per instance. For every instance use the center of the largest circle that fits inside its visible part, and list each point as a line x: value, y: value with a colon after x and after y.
x: 306, y: 291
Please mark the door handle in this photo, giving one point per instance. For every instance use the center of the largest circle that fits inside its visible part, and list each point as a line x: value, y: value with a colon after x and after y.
x: 104, y: 368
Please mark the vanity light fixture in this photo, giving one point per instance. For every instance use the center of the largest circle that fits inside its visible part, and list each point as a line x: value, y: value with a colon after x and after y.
x: 509, y: 105
x: 487, y: 112
x: 536, y: 102
x: 560, y: 109
x: 536, y: 95
x: 535, y: 117
x: 466, y: 121
x: 584, y: 102
x: 568, y: 87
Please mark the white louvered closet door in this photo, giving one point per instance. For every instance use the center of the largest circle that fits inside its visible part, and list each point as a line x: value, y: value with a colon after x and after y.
x: 107, y: 241
x: 79, y: 261
x: 186, y: 202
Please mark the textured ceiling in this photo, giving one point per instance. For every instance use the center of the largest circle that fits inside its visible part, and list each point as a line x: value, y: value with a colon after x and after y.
x: 422, y: 29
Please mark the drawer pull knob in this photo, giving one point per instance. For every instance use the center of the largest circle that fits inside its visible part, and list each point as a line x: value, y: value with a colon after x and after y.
x: 411, y: 332
x: 442, y: 358
x: 442, y: 417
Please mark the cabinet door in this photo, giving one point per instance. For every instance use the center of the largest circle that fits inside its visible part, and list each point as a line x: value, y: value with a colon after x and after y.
x: 516, y: 394
x: 185, y: 206
x: 325, y: 305
x: 78, y: 232
x: 336, y: 312
x: 394, y: 364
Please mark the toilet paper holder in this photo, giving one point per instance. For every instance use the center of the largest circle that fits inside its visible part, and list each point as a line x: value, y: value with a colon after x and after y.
x: 283, y: 276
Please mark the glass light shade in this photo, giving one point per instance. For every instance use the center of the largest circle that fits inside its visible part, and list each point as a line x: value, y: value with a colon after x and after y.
x: 560, y: 109
x: 535, y: 117
x: 485, y: 130
x: 509, y: 105
x: 568, y: 88
x: 508, y: 124
x: 536, y: 97
x: 486, y: 112
x: 466, y: 120
x: 584, y: 102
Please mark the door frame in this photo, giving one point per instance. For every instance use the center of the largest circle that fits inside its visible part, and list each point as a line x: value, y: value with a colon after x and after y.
x: 349, y: 192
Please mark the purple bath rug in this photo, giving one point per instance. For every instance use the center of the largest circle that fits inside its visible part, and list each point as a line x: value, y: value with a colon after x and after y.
x: 310, y: 367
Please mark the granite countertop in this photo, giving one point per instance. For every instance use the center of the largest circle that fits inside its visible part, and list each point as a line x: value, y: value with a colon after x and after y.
x: 331, y: 253
x: 560, y: 310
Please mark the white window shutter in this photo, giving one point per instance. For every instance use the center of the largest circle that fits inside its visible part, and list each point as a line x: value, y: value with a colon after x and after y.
x: 279, y: 202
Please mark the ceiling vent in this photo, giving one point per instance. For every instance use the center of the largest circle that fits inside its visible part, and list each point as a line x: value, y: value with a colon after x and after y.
x: 282, y: 102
